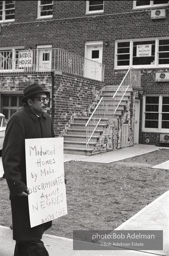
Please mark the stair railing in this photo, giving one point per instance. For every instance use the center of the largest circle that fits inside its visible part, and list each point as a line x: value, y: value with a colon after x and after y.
x: 122, y: 88
x: 93, y: 121
x: 131, y: 77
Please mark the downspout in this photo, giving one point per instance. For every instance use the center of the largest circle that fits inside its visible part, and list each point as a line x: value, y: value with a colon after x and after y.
x: 53, y: 84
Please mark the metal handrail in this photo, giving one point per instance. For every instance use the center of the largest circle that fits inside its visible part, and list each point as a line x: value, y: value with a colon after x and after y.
x: 93, y: 112
x: 122, y: 81
x: 93, y: 132
x: 92, y: 119
x: 121, y: 99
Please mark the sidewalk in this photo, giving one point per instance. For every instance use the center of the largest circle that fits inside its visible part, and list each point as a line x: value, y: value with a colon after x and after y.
x: 155, y: 216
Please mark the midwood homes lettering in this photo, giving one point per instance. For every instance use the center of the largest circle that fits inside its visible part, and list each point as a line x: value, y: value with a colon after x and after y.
x: 45, y: 179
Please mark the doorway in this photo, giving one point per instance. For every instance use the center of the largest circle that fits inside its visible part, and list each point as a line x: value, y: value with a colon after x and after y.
x: 44, y: 58
x: 136, y: 121
x: 93, y: 60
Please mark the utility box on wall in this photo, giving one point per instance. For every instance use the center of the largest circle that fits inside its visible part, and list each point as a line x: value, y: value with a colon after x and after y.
x: 158, y: 14
x: 164, y: 138
x: 162, y: 77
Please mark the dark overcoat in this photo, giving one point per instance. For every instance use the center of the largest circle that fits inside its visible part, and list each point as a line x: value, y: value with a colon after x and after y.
x: 23, y: 125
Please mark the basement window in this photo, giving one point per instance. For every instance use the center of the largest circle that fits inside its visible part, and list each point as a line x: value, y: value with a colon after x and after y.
x: 156, y: 113
x: 7, y: 11
x: 10, y: 104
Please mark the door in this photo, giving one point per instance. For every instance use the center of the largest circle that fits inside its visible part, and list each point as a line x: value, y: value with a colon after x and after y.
x: 124, y: 137
x: 93, y: 60
x: 136, y: 121
x: 44, y: 58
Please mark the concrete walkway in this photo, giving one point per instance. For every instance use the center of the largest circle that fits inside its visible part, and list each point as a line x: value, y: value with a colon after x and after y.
x: 155, y: 216
x: 113, y: 156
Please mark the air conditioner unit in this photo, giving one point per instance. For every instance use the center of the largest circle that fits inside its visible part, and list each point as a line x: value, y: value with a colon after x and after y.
x: 162, y: 77
x: 158, y: 14
x: 164, y: 138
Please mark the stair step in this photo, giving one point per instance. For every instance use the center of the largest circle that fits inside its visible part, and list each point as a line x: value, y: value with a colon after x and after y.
x: 110, y: 108
x: 119, y: 94
x: 78, y: 151
x: 70, y: 137
x: 78, y: 144
x: 114, y: 87
x: 84, y: 120
x: 82, y: 131
x: 82, y: 126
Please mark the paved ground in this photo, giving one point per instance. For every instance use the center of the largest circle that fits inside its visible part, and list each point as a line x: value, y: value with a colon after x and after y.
x: 155, y: 216
x: 164, y: 165
x: 113, y: 156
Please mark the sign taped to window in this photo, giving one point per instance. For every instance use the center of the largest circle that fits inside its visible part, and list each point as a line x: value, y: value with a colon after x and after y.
x: 25, y: 59
x: 144, y: 50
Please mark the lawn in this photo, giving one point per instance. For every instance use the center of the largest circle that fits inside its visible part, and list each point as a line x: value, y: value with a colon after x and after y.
x: 103, y: 196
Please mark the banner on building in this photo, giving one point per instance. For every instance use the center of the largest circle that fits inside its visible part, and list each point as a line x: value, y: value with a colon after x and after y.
x: 45, y: 179
x: 144, y: 50
x: 25, y: 59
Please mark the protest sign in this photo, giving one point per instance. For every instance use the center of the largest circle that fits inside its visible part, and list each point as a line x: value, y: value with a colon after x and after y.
x: 45, y: 179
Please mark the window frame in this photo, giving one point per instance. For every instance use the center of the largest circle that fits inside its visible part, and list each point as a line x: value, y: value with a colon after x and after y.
x: 3, y: 13
x: 19, y: 95
x: 150, y: 6
x: 131, y: 42
x: 159, y: 129
x: 93, y: 12
x: 39, y: 12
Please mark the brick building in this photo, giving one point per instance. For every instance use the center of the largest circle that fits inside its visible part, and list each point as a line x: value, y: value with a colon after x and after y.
x: 118, y: 34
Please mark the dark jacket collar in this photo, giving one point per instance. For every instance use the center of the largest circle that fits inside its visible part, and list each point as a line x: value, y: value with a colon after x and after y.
x: 33, y: 115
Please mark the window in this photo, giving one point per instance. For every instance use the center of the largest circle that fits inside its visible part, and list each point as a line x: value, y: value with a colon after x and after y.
x: 94, y: 6
x: 149, y: 4
x: 45, y: 9
x: 142, y: 53
x: 9, y: 59
x: 10, y: 104
x: 156, y: 113
x: 7, y: 11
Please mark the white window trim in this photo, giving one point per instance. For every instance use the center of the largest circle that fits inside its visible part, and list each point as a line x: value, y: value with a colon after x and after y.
x: 148, y: 6
x: 159, y: 129
x: 131, y: 41
x: 3, y: 15
x: 92, y: 12
x: 44, y: 46
x: 38, y: 13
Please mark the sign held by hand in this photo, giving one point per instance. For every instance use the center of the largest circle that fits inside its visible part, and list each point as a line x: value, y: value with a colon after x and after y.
x: 45, y: 179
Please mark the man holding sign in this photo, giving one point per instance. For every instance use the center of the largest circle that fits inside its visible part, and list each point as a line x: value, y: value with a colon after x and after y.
x: 30, y: 123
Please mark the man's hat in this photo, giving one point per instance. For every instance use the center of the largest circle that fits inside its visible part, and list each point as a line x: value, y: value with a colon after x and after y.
x: 31, y: 90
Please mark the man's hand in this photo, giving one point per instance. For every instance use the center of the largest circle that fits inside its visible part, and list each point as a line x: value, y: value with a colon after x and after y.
x: 24, y: 193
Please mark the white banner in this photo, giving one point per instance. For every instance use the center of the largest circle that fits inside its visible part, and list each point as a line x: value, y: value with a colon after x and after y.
x: 25, y: 59
x: 45, y: 179
x: 144, y: 50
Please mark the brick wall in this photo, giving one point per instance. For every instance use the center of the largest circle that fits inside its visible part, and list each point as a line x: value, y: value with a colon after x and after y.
x: 71, y: 28
x: 73, y: 96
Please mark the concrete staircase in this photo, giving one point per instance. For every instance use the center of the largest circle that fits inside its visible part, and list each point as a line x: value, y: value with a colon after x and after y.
x: 75, y: 139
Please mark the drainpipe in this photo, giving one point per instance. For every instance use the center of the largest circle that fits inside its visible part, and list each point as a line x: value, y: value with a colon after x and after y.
x: 53, y: 84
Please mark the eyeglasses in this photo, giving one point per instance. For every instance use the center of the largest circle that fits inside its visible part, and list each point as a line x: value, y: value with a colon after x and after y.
x: 43, y: 99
